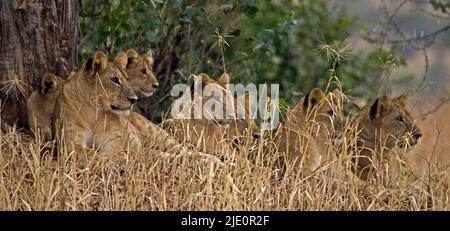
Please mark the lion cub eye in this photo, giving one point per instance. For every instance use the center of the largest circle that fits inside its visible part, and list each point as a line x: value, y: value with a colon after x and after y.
x: 144, y: 71
x: 400, y: 119
x: 330, y: 113
x: 116, y: 81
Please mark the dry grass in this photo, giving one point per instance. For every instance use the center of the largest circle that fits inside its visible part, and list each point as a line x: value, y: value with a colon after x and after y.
x: 436, y: 139
x: 247, y: 180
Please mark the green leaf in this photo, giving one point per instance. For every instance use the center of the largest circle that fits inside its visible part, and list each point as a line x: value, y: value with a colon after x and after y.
x: 266, y: 47
x: 266, y: 34
x: 226, y: 8
x: 115, y: 4
x: 185, y: 21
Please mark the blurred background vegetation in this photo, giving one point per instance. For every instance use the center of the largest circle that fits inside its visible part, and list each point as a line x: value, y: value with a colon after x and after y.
x: 284, y: 42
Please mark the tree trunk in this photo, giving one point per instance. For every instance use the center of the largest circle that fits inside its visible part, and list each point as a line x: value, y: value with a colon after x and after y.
x: 35, y: 36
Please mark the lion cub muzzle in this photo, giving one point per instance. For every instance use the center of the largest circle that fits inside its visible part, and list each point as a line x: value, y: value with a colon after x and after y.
x: 412, y: 139
x: 123, y: 108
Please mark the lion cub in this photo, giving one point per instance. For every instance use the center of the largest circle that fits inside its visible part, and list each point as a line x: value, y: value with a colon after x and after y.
x: 303, y: 137
x: 41, y: 103
x: 217, y: 125
x: 139, y: 70
x: 384, y: 125
x: 143, y: 81
x: 91, y: 109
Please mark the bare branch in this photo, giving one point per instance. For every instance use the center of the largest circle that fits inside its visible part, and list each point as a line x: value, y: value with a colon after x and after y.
x: 92, y: 27
x: 443, y: 102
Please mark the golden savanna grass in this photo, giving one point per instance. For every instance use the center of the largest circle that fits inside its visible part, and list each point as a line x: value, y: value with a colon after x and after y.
x: 248, y: 179
x: 35, y: 175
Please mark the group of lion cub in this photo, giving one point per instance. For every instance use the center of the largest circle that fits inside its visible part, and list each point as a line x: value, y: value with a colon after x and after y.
x: 92, y: 109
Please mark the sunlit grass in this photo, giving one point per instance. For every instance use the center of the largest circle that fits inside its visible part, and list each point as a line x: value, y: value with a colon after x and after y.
x: 248, y: 179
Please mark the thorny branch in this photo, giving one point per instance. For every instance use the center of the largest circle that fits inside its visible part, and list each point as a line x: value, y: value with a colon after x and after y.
x: 417, y: 42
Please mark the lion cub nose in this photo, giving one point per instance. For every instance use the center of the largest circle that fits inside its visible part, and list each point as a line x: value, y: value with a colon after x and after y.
x: 132, y: 99
x: 417, y: 135
x: 155, y: 85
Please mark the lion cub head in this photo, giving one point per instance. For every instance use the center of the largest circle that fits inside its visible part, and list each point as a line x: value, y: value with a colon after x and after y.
x: 238, y: 117
x: 304, y: 137
x: 139, y: 70
x: 215, y: 99
x: 108, y: 86
x: 389, y: 121
x: 323, y: 111
x: 207, y: 109
x: 41, y: 102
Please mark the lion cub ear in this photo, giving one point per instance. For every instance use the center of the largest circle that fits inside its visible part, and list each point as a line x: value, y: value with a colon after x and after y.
x: 49, y: 83
x: 313, y: 98
x: 380, y: 106
x: 148, y: 58
x: 224, y: 79
x: 132, y: 53
x: 121, y: 60
x: 199, y: 81
x: 337, y: 97
x: 337, y: 93
x: 100, y: 62
x: 403, y: 99
x: 132, y: 56
x: 205, y: 79
x: 97, y: 64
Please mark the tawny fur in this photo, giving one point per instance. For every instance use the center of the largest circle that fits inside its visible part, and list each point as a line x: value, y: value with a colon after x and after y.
x: 310, y: 126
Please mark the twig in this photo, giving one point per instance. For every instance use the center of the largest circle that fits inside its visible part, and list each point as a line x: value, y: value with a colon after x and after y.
x: 92, y: 27
x: 221, y: 42
x: 441, y: 104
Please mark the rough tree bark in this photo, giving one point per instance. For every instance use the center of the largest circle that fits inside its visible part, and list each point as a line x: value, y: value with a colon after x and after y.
x: 35, y: 36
